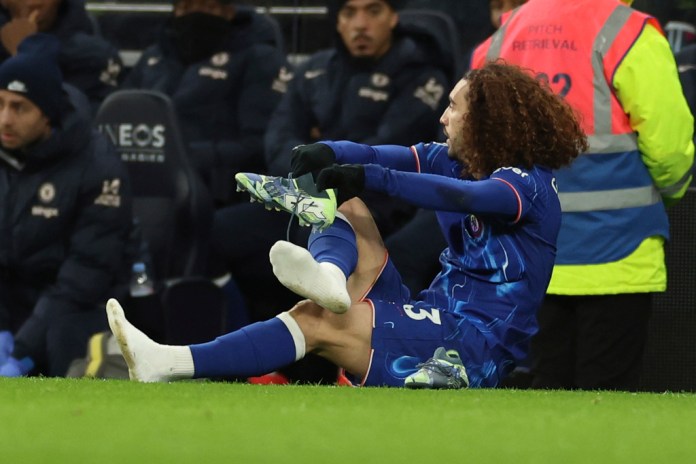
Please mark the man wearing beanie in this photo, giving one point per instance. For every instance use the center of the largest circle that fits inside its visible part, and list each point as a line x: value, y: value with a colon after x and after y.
x: 65, y: 217
x: 87, y: 61
x: 219, y: 63
x: 381, y: 84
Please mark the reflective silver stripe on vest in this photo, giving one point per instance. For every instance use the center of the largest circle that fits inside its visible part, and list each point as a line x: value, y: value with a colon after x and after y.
x: 603, y: 141
x: 603, y: 93
x: 497, y: 39
x: 608, y: 199
x: 673, y: 189
x: 612, y: 143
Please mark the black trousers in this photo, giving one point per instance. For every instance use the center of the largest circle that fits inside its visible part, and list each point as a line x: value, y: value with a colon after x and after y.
x: 53, y: 339
x: 591, y: 342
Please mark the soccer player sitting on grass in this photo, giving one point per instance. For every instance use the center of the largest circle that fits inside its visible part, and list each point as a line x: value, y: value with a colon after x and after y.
x: 494, y: 192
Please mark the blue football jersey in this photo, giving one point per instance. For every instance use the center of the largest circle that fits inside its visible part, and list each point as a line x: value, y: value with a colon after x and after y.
x: 501, y: 233
x: 496, y: 268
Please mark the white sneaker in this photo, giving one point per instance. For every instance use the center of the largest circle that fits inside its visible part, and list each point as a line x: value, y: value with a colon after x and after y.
x: 323, y: 283
x: 147, y: 360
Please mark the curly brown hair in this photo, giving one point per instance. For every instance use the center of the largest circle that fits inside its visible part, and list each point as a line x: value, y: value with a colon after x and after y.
x: 516, y: 120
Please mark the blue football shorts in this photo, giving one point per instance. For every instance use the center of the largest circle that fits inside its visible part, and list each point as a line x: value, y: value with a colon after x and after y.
x: 407, y: 332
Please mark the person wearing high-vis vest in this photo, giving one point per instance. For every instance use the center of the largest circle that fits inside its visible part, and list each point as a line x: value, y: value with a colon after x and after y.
x: 614, y: 66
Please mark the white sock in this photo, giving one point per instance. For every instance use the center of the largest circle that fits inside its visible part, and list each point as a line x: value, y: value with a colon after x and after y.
x: 296, y: 334
x: 323, y: 283
x: 147, y: 360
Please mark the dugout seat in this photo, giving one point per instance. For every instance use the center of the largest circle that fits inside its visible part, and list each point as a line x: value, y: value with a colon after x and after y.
x: 173, y: 208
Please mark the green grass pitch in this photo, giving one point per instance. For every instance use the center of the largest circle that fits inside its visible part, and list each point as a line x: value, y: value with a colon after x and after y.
x: 46, y: 420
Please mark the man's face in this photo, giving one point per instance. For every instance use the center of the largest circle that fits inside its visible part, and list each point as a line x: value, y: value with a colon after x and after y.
x: 452, y: 119
x: 212, y: 7
x: 498, y: 7
x: 45, y: 12
x: 366, y: 27
x: 21, y: 121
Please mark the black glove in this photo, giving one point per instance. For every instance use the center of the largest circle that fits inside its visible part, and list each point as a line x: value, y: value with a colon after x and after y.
x: 311, y: 158
x: 347, y: 179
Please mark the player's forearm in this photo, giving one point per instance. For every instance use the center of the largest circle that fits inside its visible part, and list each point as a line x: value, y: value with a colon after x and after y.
x: 389, y: 156
x: 440, y: 193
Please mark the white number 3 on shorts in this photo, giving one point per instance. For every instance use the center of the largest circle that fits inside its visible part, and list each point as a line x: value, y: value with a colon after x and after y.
x: 423, y: 313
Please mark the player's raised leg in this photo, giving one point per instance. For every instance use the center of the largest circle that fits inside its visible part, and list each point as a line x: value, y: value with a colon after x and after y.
x: 322, y: 282
x: 320, y: 273
x: 263, y: 347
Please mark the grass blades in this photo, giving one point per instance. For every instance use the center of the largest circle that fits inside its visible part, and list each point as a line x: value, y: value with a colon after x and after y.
x: 46, y: 420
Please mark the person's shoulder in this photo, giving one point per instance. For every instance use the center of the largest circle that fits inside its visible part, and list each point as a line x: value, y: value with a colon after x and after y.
x: 314, y: 66
x: 434, y: 152
x: 103, y: 164
x: 259, y: 52
x: 406, y: 49
x: 88, y: 151
x: 151, y: 50
x: 518, y: 175
x: 151, y: 56
x: 407, y: 60
x: 73, y: 18
x: 537, y: 185
x: 97, y: 153
x: 430, y: 147
x: 321, y: 57
x: 252, y: 28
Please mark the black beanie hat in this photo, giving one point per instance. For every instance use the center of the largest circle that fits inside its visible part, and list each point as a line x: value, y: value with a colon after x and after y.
x: 34, y: 73
x: 334, y: 6
x: 392, y: 3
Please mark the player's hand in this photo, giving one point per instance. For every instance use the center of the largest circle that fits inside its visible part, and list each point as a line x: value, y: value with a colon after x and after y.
x: 18, y: 29
x: 311, y: 158
x: 347, y: 179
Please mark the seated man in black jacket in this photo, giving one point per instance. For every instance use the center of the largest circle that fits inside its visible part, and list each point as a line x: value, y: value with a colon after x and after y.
x: 65, y: 216
x: 86, y: 60
x: 219, y: 63
x: 382, y: 83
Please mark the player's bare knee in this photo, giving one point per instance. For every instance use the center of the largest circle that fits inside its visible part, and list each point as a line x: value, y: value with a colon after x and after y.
x: 354, y: 209
x: 310, y: 317
x: 319, y: 326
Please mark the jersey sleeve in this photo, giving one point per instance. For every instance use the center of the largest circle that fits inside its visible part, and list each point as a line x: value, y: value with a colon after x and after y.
x: 494, y: 196
x: 389, y: 156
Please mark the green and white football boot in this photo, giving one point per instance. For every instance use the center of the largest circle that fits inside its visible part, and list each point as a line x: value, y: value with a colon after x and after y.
x: 296, y: 196
x: 444, y: 370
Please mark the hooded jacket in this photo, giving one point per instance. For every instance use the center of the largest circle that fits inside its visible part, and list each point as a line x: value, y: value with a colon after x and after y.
x: 65, y: 222
x: 224, y: 101
x: 86, y: 60
x: 397, y: 99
